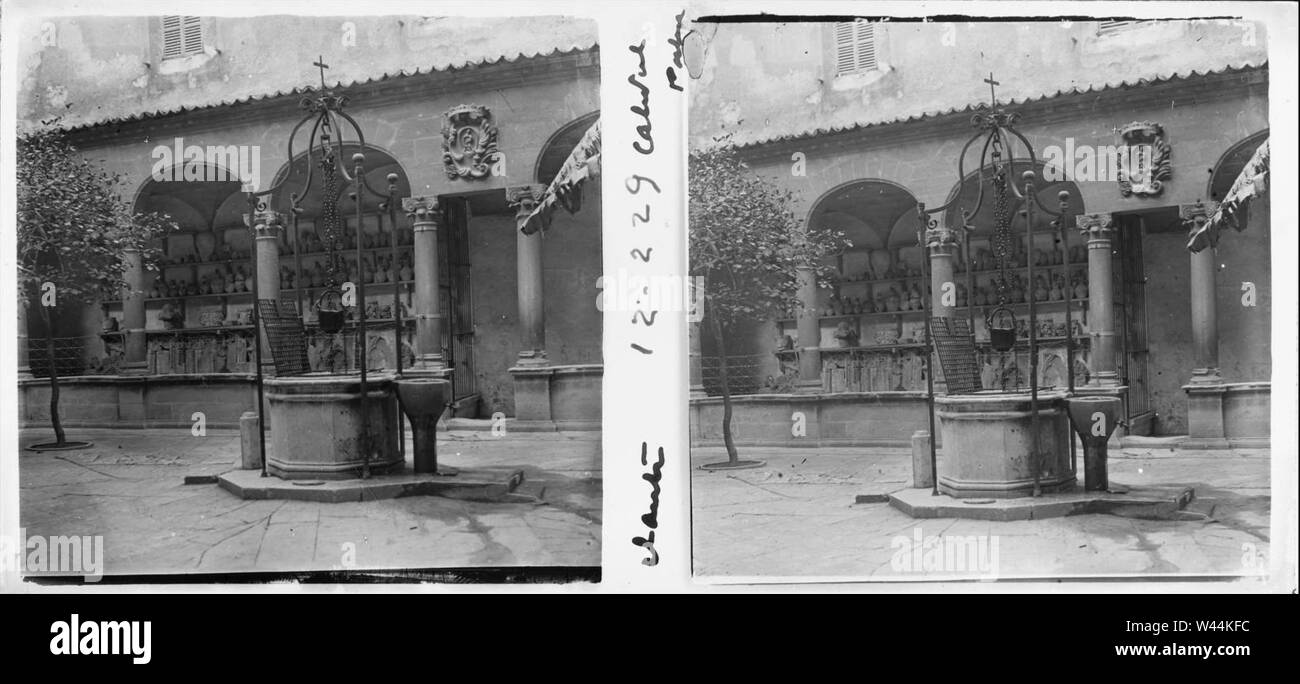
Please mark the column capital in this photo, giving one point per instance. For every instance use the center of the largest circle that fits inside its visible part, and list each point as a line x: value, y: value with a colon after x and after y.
x: 941, y: 240
x: 1096, y: 226
x: 266, y: 223
x: 524, y: 197
x: 1195, y: 215
x: 423, y: 209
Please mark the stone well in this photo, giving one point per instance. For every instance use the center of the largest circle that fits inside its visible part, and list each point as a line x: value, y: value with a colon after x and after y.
x: 988, y: 443
x: 317, y: 426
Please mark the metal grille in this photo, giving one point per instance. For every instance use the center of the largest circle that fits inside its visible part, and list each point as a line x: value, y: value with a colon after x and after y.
x: 458, y: 307
x: 76, y: 355
x: 749, y: 374
x: 1133, y: 315
x: 956, y: 349
x: 286, y: 336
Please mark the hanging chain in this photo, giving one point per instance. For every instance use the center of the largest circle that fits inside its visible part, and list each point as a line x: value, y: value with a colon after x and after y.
x: 332, y: 222
x: 1001, y: 223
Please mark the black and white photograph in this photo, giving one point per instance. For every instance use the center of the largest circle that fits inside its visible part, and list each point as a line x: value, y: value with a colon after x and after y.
x: 308, y: 293
x: 892, y: 298
x: 985, y: 299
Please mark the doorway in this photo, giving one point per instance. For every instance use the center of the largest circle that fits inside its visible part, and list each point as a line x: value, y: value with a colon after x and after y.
x: 456, y: 301
x: 1131, y: 305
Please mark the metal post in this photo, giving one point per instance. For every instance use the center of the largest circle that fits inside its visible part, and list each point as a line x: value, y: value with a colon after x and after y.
x: 257, y: 331
x: 294, y: 210
x: 929, y: 343
x: 1036, y: 459
x: 1069, y: 319
x: 969, y: 232
x: 358, y: 177
x: 398, y: 330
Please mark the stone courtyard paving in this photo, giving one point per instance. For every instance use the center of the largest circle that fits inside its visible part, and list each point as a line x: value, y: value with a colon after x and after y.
x: 796, y: 517
x: 129, y: 488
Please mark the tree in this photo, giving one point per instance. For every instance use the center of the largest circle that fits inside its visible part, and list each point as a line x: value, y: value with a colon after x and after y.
x: 73, y: 230
x: 748, y: 246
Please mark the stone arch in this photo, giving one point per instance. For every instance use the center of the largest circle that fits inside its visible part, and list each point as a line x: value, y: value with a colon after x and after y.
x: 192, y: 203
x: 1229, y: 165
x: 310, y: 242
x: 199, y: 207
x: 556, y: 149
x: 1047, y: 191
x: 875, y: 203
x: 379, y: 163
x: 874, y: 214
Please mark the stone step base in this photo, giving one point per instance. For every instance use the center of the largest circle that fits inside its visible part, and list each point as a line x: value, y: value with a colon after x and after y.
x: 513, y: 425
x: 1148, y: 503
x: 472, y: 484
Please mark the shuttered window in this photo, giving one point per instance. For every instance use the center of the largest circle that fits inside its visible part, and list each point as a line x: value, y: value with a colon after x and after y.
x: 855, y: 47
x: 181, y: 36
x: 1106, y: 28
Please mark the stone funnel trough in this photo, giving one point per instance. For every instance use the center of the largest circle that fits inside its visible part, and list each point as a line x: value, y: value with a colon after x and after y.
x: 423, y: 400
x: 1094, y: 419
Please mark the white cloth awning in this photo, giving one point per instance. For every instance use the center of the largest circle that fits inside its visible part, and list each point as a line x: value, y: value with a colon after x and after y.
x: 582, y: 164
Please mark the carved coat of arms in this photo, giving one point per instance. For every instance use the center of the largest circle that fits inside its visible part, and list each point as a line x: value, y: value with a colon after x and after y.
x: 1143, y: 160
x: 469, y: 142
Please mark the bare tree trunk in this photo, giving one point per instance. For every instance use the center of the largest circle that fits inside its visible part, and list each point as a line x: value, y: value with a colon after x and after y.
x: 59, y: 437
x: 732, y: 455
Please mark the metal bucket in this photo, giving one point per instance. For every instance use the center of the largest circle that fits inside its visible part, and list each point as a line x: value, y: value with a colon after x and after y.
x: 329, y: 311
x: 1002, y: 329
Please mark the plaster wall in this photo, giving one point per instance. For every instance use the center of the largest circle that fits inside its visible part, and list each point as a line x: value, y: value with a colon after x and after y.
x: 86, y: 69
x: 763, y: 80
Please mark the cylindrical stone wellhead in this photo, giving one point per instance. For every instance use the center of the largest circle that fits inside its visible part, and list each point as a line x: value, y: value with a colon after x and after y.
x: 988, y: 444
x: 318, y: 430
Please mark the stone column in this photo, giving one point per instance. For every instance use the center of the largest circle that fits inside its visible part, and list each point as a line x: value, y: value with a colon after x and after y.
x: 426, y: 216
x: 1205, y: 320
x: 133, y: 313
x: 131, y: 396
x: 1099, y: 231
x: 266, y: 249
x: 532, y: 317
x: 808, y: 325
x: 942, y: 245
x: 1205, y: 388
x: 267, y: 226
